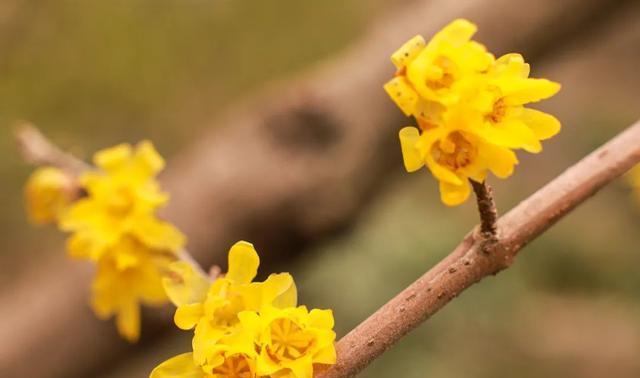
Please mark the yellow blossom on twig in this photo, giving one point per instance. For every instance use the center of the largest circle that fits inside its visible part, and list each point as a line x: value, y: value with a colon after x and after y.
x: 469, y: 108
x: 48, y: 192
x: 111, y: 213
x: 233, y: 318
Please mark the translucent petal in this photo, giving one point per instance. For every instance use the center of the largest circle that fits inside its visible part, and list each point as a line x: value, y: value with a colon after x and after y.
x: 512, y: 133
x: 456, y: 32
x: 543, y: 125
x: 128, y: 320
x: 402, y: 94
x: 408, y: 51
x: 184, y: 285
x: 147, y: 160
x: 243, y: 263
x: 452, y: 195
x: 158, y: 234
x: 321, y: 319
x: 188, y: 315
x: 409, y: 136
x: 519, y: 92
x: 113, y: 158
x: 280, y: 290
x: 500, y: 160
x: 181, y: 366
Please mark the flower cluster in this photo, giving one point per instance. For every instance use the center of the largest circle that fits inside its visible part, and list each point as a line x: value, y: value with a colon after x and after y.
x: 113, y: 224
x: 469, y: 107
x: 245, y: 329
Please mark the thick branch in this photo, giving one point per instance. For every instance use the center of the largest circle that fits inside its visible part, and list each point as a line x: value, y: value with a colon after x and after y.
x: 467, y: 264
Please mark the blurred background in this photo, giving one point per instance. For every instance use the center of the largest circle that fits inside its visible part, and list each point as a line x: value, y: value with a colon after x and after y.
x: 92, y: 74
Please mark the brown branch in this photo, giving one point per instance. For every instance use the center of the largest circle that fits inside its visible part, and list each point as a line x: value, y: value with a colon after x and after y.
x: 487, y: 210
x: 467, y: 264
x: 36, y: 149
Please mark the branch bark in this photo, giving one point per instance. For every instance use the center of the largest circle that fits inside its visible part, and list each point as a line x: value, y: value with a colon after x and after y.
x: 487, y: 209
x: 467, y: 264
x: 37, y: 150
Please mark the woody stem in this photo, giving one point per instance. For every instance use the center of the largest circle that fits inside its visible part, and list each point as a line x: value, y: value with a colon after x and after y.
x: 487, y: 210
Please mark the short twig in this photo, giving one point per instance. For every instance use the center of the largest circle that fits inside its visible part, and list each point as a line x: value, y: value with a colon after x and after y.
x: 487, y: 210
x: 36, y: 149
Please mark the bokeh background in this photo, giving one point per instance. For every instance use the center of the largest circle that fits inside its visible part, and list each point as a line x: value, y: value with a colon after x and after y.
x: 95, y: 73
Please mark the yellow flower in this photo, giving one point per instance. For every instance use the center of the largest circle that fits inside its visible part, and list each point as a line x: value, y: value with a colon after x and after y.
x: 506, y: 121
x: 48, y: 192
x: 213, y: 308
x: 469, y: 108
x: 129, y: 274
x: 291, y: 340
x: 435, y: 71
x: 453, y: 156
x: 123, y: 196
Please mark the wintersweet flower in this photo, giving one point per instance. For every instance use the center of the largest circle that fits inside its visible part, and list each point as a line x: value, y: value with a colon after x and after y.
x: 114, y: 224
x: 291, y: 341
x: 507, y: 121
x: 469, y: 107
x: 434, y: 71
x: 122, y: 197
x: 454, y: 156
x: 127, y: 275
x: 213, y: 308
x: 48, y: 192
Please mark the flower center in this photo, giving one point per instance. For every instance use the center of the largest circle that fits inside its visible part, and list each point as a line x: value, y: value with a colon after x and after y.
x: 235, y: 366
x: 454, y: 152
x: 446, y: 79
x: 498, y: 112
x: 120, y: 202
x: 288, y: 341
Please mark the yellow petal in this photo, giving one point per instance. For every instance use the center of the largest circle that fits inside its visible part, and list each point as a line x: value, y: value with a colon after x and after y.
x: 128, y: 321
x: 48, y: 192
x: 408, y: 51
x: 409, y: 137
x: 500, y: 160
x: 158, y: 234
x: 280, y: 290
x: 512, y: 133
x: 181, y: 366
x: 402, y: 94
x: 528, y: 90
x: 113, y: 157
x: 188, y: 315
x: 321, y: 319
x: 243, y: 263
x: 457, y: 32
x: 148, y: 158
x: 511, y: 65
x: 452, y: 195
x: 543, y: 125
x: 184, y: 285
x: 302, y: 367
x: 326, y: 355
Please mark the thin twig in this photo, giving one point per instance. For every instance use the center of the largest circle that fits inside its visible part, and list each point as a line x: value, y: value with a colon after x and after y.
x: 488, y: 212
x: 467, y: 264
x: 36, y: 149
